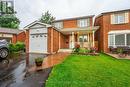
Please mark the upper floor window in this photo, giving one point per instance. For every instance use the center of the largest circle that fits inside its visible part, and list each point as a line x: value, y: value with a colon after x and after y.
x: 58, y: 25
x: 119, y: 18
x: 83, y: 22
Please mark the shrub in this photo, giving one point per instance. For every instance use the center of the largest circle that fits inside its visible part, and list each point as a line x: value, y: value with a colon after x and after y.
x: 120, y: 50
x: 19, y: 46
x: 93, y: 49
x: 77, y: 48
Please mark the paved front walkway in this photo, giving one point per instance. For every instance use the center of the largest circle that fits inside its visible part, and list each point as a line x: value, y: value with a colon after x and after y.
x: 50, y: 61
x: 117, y: 57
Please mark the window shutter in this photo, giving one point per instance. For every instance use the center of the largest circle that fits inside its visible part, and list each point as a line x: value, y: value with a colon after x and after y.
x: 112, y: 19
x: 126, y: 17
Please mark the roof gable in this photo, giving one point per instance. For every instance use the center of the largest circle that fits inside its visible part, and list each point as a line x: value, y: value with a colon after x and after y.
x: 37, y: 24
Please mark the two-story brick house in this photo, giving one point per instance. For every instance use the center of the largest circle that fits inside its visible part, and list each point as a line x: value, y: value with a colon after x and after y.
x: 114, y: 29
x: 63, y: 34
x: 79, y: 30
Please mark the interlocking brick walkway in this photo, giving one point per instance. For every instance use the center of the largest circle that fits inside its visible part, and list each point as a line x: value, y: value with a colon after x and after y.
x: 50, y: 61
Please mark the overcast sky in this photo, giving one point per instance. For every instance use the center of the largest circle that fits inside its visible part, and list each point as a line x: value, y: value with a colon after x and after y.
x: 31, y: 10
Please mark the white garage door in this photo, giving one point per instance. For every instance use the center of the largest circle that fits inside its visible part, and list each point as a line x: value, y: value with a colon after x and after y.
x: 38, y: 41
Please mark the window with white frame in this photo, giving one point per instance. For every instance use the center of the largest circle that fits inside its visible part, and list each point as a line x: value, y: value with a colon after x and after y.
x: 83, y: 22
x: 119, y: 18
x: 83, y: 38
x: 111, y: 40
x: 119, y: 39
x: 58, y: 25
x: 128, y: 39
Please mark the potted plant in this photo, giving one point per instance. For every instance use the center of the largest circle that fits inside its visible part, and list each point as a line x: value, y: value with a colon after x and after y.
x: 120, y: 53
x: 39, y: 61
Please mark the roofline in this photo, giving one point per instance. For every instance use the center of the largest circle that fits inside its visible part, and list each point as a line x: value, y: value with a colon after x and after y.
x: 33, y: 23
x: 20, y: 31
x: 116, y: 11
x: 111, y: 12
x: 74, y: 18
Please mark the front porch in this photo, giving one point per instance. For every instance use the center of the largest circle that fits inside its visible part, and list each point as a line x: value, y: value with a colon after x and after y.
x: 85, y: 37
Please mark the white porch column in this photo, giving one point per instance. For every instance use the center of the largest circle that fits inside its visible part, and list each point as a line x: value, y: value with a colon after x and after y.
x: 125, y: 39
x: 88, y: 37
x: 93, y: 40
x: 88, y: 40
x: 72, y: 40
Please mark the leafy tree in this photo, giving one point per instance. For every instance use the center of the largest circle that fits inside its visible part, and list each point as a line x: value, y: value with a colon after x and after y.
x: 47, y: 18
x: 7, y: 16
x: 9, y: 21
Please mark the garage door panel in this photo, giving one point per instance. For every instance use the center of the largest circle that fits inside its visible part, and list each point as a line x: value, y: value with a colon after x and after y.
x: 38, y: 42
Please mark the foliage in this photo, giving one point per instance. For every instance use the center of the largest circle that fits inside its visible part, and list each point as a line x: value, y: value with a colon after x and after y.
x: 47, y: 18
x: 90, y: 71
x: 39, y: 60
x: 5, y: 8
x: 9, y: 21
x: 76, y: 48
x: 19, y: 46
x: 93, y: 49
x: 120, y: 50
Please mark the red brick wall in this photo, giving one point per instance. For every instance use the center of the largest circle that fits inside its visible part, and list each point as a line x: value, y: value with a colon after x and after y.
x: 64, y: 40
x: 70, y: 24
x: 73, y: 23
x: 104, y: 22
x: 27, y: 41
x: 53, y: 40
x: 14, y: 39
x: 49, y: 40
x: 21, y: 37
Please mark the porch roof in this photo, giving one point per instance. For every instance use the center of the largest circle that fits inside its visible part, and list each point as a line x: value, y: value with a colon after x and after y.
x: 82, y: 30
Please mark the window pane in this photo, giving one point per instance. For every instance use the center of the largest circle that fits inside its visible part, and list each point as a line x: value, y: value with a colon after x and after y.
x: 111, y: 40
x: 120, y: 40
x: 121, y: 18
x: 80, y: 38
x: 128, y: 39
x: 85, y: 38
x: 58, y: 25
x: 83, y: 22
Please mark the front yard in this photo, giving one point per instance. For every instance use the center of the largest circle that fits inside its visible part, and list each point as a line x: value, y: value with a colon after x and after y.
x: 90, y: 71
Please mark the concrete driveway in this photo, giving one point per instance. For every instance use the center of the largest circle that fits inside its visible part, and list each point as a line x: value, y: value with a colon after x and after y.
x: 15, y: 73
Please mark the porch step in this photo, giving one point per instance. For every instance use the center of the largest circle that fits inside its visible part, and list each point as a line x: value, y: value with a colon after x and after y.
x: 65, y: 50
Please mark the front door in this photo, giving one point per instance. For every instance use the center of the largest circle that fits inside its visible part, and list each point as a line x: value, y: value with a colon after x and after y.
x: 71, y: 41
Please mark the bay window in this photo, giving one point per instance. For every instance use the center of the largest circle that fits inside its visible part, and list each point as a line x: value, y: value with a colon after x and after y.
x: 119, y: 40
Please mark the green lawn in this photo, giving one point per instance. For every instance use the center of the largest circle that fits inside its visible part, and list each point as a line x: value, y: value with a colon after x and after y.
x: 90, y: 71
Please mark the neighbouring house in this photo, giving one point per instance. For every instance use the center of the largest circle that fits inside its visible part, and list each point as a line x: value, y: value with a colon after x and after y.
x: 114, y: 29
x: 12, y: 35
x: 63, y: 34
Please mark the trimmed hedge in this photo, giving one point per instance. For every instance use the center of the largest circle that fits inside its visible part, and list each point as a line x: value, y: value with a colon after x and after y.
x: 19, y: 46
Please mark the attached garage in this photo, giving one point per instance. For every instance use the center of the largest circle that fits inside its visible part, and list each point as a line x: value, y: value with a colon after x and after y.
x: 38, y: 40
x: 41, y: 37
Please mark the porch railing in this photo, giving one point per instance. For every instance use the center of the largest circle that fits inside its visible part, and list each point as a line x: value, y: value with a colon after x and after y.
x: 87, y: 44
